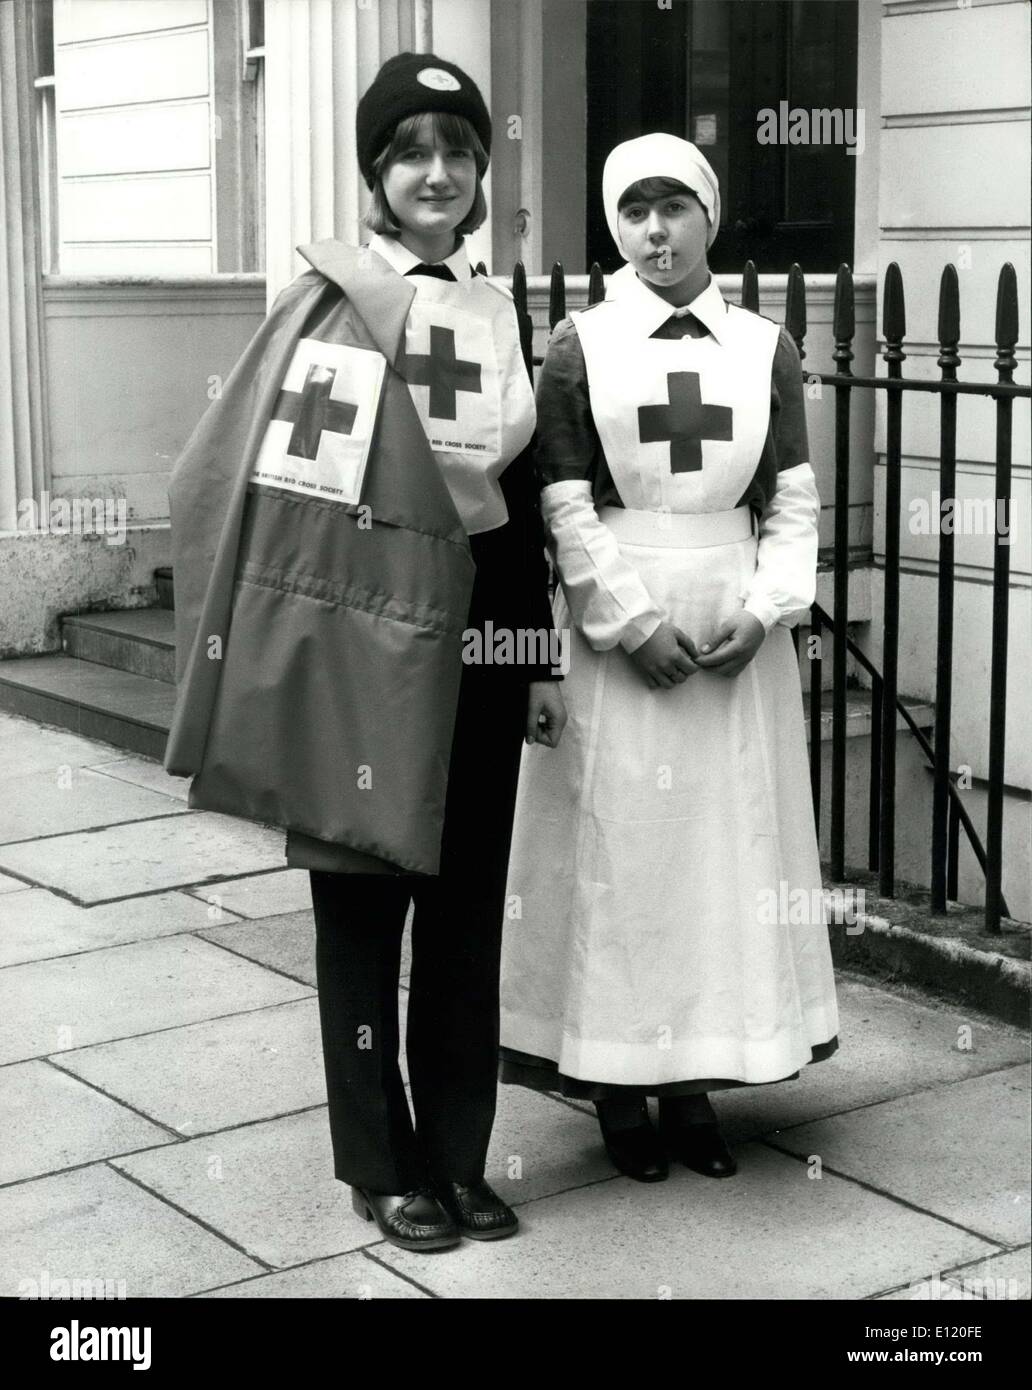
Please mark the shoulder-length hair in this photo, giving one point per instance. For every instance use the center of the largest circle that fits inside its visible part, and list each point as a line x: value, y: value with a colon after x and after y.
x: 451, y: 131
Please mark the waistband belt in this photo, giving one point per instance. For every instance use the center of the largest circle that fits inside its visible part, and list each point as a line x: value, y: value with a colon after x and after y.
x: 680, y: 530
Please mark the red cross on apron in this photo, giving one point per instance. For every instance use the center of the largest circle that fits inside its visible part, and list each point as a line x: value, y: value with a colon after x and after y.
x: 685, y: 422
x: 445, y: 374
x: 312, y: 410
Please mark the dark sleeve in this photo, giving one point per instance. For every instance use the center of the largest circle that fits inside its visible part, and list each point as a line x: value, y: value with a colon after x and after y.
x: 568, y: 446
x: 531, y: 603
x: 788, y: 406
x: 786, y: 443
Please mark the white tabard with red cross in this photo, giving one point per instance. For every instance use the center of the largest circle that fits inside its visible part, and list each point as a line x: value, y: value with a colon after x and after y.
x: 471, y: 390
x: 317, y: 441
x: 681, y: 420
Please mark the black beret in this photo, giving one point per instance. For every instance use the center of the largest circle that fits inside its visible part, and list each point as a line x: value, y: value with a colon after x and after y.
x: 407, y: 85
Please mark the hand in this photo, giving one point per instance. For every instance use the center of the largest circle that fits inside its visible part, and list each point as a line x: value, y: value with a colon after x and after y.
x: 734, y: 645
x: 546, y: 713
x: 667, y: 658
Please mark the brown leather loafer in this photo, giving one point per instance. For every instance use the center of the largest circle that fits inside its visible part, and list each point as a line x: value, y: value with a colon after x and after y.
x: 701, y: 1148
x: 412, y: 1221
x: 478, y: 1211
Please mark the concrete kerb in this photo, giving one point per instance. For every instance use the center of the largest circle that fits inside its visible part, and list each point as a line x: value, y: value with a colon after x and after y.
x: 987, y: 980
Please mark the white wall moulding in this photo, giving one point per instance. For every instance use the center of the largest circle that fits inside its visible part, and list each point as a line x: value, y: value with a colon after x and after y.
x: 24, y: 441
x: 85, y: 20
x: 944, y: 39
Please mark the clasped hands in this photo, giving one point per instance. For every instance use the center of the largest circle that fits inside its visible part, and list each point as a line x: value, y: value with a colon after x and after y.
x: 669, y: 656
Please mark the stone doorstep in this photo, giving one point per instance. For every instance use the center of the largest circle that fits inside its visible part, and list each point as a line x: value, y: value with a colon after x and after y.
x: 997, y: 982
x: 140, y: 640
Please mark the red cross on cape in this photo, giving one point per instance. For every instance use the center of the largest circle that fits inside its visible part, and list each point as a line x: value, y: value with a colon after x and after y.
x: 313, y: 410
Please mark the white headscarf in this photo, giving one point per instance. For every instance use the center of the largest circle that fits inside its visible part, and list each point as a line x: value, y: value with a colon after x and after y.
x: 659, y: 156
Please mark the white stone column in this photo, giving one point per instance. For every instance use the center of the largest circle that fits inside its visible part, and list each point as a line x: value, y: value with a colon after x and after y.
x: 320, y: 55
x: 23, y: 433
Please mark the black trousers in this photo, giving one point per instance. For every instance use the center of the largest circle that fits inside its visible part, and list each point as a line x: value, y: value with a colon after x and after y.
x: 452, y: 1034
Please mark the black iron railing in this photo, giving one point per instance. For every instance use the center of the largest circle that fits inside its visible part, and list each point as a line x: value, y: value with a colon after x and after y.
x: 949, y: 815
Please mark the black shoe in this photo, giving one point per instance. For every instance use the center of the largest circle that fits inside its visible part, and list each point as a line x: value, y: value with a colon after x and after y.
x: 413, y: 1221
x: 477, y: 1210
x: 701, y: 1148
x: 637, y: 1152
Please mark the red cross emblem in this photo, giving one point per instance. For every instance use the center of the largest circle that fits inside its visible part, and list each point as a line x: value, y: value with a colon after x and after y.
x: 312, y: 410
x: 685, y: 422
x: 445, y: 374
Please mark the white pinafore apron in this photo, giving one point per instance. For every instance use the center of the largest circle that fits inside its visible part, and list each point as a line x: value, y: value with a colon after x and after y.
x: 654, y: 850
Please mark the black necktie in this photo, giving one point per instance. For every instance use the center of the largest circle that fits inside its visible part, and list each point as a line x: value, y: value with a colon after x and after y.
x: 439, y: 271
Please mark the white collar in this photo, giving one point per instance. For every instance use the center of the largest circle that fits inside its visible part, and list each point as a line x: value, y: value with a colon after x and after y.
x: 402, y: 259
x: 650, y: 311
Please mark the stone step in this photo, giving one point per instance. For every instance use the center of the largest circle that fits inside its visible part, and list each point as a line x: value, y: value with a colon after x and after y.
x: 139, y: 640
x: 96, y: 701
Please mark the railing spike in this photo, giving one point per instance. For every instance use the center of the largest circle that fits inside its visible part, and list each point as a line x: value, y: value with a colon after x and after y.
x: 1007, y: 311
x: 894, y: 313
x: 949, y: 311
x: 795, y: 307
x: 844, y: 316
x: 556, y: 295
x: 750, y: 287
x: 596, y: 284
x: 519, y: 287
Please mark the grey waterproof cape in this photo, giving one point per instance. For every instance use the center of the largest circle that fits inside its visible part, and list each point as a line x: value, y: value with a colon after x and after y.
x: 318, y: 642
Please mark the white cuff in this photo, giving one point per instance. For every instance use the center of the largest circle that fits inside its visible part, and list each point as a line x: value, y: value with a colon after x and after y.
x: 608, y: 601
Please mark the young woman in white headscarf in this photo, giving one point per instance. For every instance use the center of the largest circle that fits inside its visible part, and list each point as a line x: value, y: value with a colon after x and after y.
x: 649, y: 953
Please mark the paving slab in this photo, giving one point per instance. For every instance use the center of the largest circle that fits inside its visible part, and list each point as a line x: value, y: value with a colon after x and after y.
x: 261, y: 895
x: 27, y: 746
x: 345, y: 1276
x: 889, y: 1045
x: 36, y: 924
x: 45, y: 803
x: 217, y: 1074
x: 768, y: 1233
x: 53, y: 1121
x: 922, y: 1290
x: 960, y: 1151
x: 268, y: 1187
x: 55, y: 1005
x: 94, y: 1224
x: 285, y: 943
x: 144, y: 772
x: 540, y: 1146
x: 10, y: 885
x: 123, y: 860
x: 1006, y: 1277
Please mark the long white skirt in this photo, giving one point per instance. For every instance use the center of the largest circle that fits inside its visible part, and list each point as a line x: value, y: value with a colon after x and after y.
x: 665, y: 911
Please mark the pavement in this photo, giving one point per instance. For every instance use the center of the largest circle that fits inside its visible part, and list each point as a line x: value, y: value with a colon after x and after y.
x: 162, y: 1094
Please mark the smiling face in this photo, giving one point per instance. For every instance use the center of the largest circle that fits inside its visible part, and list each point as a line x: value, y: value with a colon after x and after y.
x: 664, y: 238
x: 429, y: 186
